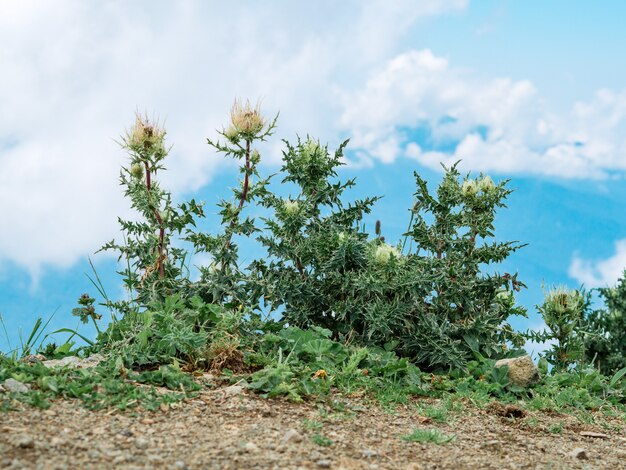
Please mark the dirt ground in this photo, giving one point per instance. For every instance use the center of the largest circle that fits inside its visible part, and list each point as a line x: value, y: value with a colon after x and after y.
x: 230, y: 428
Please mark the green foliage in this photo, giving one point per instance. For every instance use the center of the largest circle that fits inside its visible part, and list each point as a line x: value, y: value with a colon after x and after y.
x: 465, y: 309
x: 360, y: 317
x: 107, y: 385
x: 563, y: 313
x: 176, y: 329
x: 606, y: 343
x: 154, y: 265
x: 302, y: 363
x: 223, y: 280
x: 313, y: 241
x: 429, y: 436
x: 435, y: 306
x: 321, y: 440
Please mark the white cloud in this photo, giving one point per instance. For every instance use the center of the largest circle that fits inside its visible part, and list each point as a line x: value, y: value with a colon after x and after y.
x: 497, y: 125
x: 73, y: 72
x: 602, y: 273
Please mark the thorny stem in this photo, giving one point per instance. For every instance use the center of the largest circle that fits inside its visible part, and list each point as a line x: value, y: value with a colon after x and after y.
x: 244, y: 193
x: 160, y: 256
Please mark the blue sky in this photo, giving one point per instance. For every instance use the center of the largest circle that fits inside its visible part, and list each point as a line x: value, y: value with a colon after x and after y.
x: 529, y: 91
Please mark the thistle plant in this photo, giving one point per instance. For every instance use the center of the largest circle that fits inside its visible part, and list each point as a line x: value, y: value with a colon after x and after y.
x: 606, y: 343
x: 222, y: 280
x: 154, y: 267
x: 313, y: 240
x: 466, y: 307
x: 563, y: 313
x: 435, y: 306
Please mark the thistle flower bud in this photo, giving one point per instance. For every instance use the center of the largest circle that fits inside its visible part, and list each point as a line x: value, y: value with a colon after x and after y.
x: 384, y: 252
x: 291, y: 207
x: 469, y: 188
x: 255, y: 157
x: 136, y: 170
x: 505, y: 296
x: 145, y: 135
x: 215, y: 267
x: 232, y: 134
x: 486, y: 184
x: 246, y: 119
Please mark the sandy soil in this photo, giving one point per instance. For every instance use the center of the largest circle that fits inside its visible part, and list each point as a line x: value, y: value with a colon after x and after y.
x: 230, y: 428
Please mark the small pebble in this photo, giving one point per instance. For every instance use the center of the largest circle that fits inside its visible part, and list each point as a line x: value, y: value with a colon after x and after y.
x: 25, y: 442
x: 579, y: 453
x: 142, y: 443
x: 251, y: 448
x: 324, y: 463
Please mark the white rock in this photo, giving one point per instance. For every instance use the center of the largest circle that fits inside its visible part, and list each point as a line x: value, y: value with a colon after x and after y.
x: 579, y: 453
x: 75, y: 362
x: 291, y: 436
x: 12, y: 385
x: 522, y: 370
x: 251, y: 448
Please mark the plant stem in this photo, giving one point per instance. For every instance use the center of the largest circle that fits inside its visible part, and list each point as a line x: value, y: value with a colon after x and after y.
x: 160, y: 256
x: 244, y: 193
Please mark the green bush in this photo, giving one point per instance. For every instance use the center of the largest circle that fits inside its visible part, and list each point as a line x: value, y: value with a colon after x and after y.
x: 606, y: 344
x: 436, y: 306
x: 563, y: 312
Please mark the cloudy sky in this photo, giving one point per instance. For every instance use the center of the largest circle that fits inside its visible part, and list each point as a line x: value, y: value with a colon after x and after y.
x: 529, y: 91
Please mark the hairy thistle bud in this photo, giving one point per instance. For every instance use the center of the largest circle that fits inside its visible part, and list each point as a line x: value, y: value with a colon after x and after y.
x: 145, y: 135
x: 469, y: 188
x: 255, y: 157
x: 291, y: 207
x: 232, y: 134
x: 136, y: 170
x: 486, y: 184
x: 246, y: 119
x: 384, y: 253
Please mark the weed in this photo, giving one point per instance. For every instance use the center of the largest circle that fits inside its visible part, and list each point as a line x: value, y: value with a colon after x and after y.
x: 557, y: 428
x: 429, y: 436
x: 321, y: 440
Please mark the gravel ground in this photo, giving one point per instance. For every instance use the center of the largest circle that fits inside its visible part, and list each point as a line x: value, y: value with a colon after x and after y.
x: 229, y: 428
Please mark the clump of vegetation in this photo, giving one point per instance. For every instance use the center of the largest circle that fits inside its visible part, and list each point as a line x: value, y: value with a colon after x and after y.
x: 605, y: 345
x: 437, y: 306
x: 563, y: 312
x: 353, y: 313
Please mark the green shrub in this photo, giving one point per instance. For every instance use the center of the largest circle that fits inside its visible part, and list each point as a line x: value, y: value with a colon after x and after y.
x: 436, y: 306
x: 563, y: 312
x: 606, y: 345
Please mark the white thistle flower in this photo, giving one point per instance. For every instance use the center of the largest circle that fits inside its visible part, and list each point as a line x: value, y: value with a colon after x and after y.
x: 384, y: 252
x: 246, y: 119
x: 291, y: 207
x: 486, y: 185
x: 469, y: 188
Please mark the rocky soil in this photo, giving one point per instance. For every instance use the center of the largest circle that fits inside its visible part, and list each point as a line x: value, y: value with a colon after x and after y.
x: 230, y: 428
